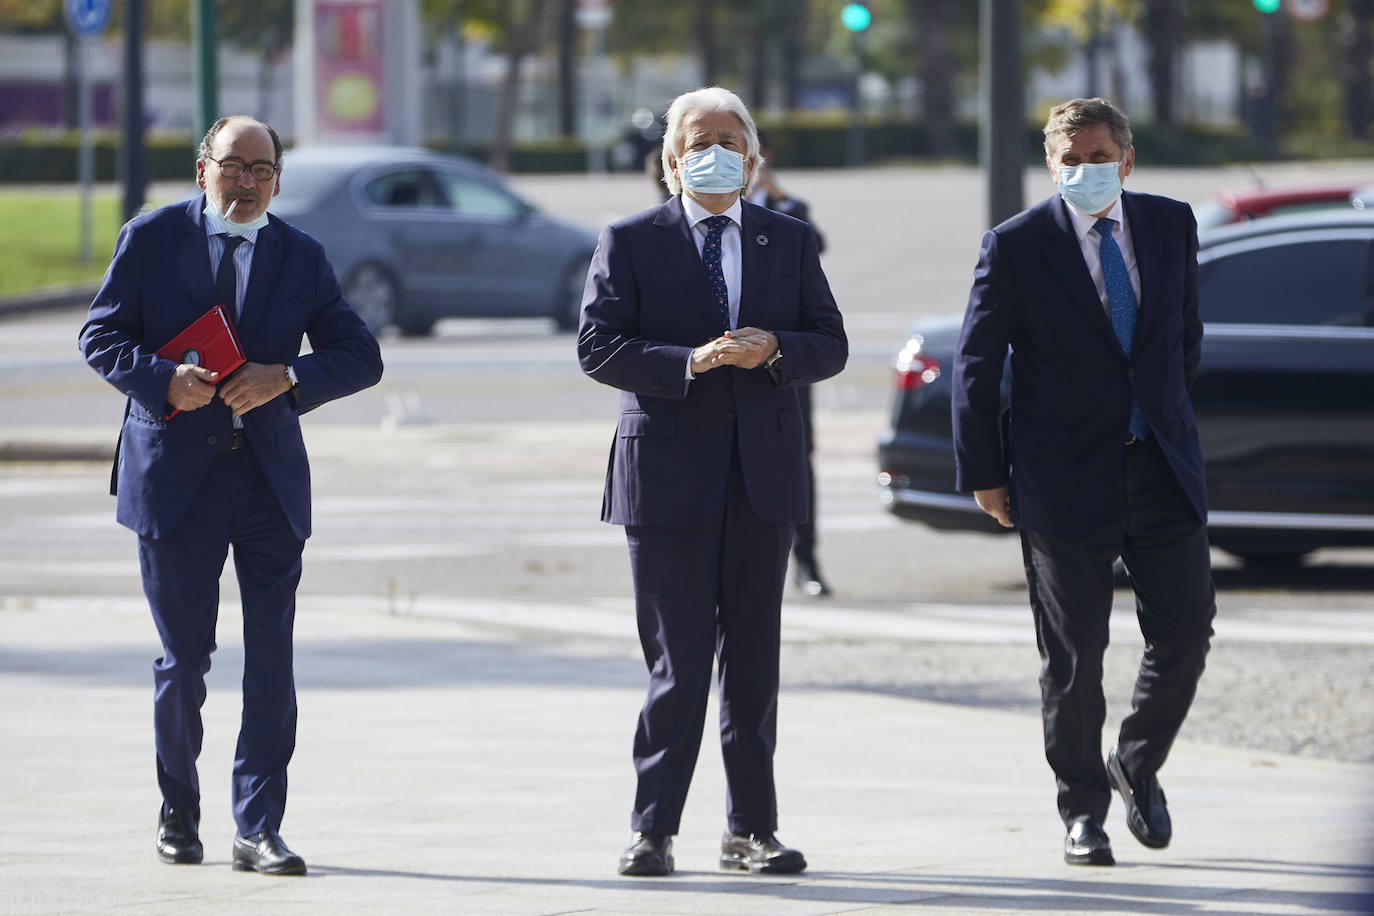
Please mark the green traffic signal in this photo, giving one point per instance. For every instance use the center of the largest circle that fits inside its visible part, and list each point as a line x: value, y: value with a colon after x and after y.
x: 1267, y: 6
x: 855, y: 17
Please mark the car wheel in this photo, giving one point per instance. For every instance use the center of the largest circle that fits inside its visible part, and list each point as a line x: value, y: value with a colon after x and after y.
x: 373, y: 295
x: 567, y: 310
x: 416, y: 327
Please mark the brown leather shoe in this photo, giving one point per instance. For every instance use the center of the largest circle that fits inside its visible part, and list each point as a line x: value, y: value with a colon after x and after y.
x: 178, y: 840
x: 649, y: 854
x: 266, y: 854
x: 1087, y: 843
x: 759, y: 854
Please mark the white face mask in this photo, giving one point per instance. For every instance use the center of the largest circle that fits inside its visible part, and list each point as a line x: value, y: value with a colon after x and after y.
x: 220, y: 224
x: 714, y: 170
x: 1091, y: 187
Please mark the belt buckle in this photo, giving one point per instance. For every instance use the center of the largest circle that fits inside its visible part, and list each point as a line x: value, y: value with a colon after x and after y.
x: 238, y: 440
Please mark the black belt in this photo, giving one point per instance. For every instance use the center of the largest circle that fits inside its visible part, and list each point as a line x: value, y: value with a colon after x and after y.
x: 240, y: 440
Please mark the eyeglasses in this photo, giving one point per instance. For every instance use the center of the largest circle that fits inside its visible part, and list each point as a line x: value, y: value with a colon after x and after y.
x: 233, y: 168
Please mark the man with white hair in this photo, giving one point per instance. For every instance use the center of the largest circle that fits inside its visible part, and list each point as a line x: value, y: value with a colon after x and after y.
x: 708, y: 466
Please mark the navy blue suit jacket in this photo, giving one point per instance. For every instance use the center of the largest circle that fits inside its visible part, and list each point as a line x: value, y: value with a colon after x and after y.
x: 1061, y: 445
x: 159, y: 281
x: 647, y: 305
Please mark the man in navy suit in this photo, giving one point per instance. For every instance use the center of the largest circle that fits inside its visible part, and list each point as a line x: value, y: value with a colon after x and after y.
x: 707, y: 313
x: 230, y: 468
x: 1096, y: 458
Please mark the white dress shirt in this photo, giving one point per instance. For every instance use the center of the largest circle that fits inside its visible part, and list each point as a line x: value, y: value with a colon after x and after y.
x: 1089, y: 243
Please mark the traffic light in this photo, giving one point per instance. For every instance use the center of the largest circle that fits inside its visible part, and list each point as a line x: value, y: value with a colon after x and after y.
x: 855, y: 17
x: 1267, y: 6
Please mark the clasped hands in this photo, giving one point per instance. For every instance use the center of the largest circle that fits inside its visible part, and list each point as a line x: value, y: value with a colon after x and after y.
x: 747, y: 348
x: 252, y: 385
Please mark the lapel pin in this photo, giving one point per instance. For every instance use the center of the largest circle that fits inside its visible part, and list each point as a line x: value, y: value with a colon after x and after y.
x: 761, y: 239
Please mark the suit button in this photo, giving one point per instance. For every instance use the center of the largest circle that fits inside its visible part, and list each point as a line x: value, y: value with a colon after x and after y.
x: 212, y: 440
x: 1130, y: 373
x: 729, y: 415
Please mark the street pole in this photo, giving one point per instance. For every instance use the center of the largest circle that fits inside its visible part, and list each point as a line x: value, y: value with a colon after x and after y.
x: 1003, y: 121
x: 132, y: 151
x: 207, y: 71
x: 85, y: 164
x: 856, y: 152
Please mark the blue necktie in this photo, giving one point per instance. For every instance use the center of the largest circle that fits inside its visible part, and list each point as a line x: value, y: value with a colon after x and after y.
x: 226, y: 278
x: 1121, y: 297
x: 710, y: 256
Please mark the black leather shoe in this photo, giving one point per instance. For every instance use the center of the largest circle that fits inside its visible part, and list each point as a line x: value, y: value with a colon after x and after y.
x: 809, y: 580
x: 1147, y: 814
x: 648, y: 854
x: 1087, y: 843
x: 266, y: 854
x: 759, y: 853
x: 178, y: 840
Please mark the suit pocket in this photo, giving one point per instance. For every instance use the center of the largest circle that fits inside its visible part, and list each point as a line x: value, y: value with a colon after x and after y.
x: 789, y: 421
x: 637, y: 424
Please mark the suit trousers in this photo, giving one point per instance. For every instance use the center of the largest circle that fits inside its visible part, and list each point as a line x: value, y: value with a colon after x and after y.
x: 235, y: 506
x: 708, y: 591
x: 1164, y: 547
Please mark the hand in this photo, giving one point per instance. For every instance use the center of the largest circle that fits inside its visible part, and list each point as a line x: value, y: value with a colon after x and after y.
x: 997, y: 503
x: 191, y: 387
x: 253, y: 385
x: 745, y: 347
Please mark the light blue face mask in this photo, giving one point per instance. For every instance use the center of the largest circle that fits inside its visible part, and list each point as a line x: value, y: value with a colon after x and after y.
x: 220, y: 224
x: 1091, y: 187
x: 714, y: 170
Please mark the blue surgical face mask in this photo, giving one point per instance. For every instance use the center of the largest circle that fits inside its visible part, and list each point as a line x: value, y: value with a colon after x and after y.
x: 714, y: 170
x: 220, y: 224
x: 1091, y: 187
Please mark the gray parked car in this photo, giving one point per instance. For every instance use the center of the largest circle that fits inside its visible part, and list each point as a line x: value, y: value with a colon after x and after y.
x: 416, y: 236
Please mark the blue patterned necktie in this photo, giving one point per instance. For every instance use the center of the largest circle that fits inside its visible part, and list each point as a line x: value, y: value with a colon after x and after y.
x: 710, y: 256
x: 226, y: 278
x: 1121, y: 297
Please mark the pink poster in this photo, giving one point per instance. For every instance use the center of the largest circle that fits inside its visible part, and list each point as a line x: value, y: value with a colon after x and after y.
x: 349, y: 74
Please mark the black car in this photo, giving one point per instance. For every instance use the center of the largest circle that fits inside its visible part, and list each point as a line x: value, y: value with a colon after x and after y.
x: 1284, y: 400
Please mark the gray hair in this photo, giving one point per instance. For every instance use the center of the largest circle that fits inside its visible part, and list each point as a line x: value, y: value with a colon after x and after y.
x: 711, y: 98
x: 1068, y: 118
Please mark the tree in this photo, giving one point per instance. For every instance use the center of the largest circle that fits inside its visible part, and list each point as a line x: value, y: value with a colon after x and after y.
x: 1355, y: 24
x: 1162, y: 24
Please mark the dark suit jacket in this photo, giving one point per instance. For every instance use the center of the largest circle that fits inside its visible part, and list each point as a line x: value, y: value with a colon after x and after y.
x: 161, y: 280
x: 647, y: 305
x: 1061, y: 445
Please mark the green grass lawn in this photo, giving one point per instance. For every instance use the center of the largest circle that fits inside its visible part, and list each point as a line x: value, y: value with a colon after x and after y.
x: 40, y: 237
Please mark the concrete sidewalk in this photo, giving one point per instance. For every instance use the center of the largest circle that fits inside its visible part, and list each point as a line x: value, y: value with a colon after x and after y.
x: 446, y: 767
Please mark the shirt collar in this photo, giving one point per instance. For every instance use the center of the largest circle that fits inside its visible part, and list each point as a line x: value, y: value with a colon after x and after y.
x: 251, y: 236
x: 696, y: 212
x: 1084, y: 222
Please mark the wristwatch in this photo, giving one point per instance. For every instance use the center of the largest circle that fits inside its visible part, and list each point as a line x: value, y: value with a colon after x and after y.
x: 772, y: 361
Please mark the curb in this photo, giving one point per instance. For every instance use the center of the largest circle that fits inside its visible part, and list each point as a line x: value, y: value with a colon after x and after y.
x: 68, y: 297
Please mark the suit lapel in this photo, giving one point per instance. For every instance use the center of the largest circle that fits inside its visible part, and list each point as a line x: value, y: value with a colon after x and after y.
x: 1065, y: 257
x: 194, y: 275
x: 267, y: 254
x: 756, y: 262
x: 1146, y: 242
x: 680, y: 250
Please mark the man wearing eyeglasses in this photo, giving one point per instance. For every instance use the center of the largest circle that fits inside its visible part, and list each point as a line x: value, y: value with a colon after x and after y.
x: 205, y: 463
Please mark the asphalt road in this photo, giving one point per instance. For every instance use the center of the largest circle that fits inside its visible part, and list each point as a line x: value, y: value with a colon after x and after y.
x: 467, y: 485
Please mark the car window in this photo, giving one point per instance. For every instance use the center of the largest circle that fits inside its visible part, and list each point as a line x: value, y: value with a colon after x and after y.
x: 1319, y: 282
x: 471, y: 197
x: 404, y: 188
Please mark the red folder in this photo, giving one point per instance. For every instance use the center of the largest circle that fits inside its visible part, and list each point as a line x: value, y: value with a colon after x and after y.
x: 208, y: 341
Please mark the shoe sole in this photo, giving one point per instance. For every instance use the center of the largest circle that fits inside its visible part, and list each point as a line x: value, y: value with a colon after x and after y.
x: 731, y: 862
x: 289, y: 870
x: 1096, y: 858
x: 181, y: 858
x: 1117, y: 776
x: 644, y: 870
